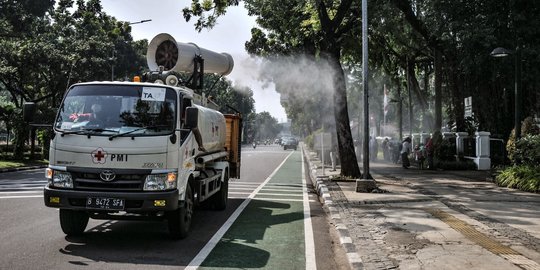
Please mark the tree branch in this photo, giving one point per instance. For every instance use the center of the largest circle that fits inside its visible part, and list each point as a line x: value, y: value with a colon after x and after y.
x: 342, y: 10
x: 416, y: 24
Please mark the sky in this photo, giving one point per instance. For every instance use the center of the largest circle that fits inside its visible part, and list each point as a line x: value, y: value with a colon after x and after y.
x: 229, y: 35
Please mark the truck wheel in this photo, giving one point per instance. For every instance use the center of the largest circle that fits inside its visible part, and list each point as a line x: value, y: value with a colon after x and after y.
x: 73, y: 222
x: 220, y: 199
x: 179, y: 221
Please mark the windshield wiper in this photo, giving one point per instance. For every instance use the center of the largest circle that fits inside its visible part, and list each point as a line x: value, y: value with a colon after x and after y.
x: 62, y: 132
x: 85, y: 131
x: 135, y: 130
x: 100, y: 130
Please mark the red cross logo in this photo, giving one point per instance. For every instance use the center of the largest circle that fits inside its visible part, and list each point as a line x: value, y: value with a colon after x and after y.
x: 99, y: 156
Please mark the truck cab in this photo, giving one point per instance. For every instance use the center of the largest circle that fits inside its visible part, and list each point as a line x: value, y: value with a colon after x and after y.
x: 131, y: 150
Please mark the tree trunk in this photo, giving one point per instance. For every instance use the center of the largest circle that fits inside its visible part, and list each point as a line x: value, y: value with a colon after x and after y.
x: 438, y: 90
x: 349, y: 163
x: 21, y: 134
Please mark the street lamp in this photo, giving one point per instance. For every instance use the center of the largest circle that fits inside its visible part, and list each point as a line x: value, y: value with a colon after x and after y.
x: 143, y: 21
x: 502, y: 52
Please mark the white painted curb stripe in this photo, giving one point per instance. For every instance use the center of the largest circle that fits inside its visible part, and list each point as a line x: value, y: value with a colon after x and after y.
x: 311, y: 262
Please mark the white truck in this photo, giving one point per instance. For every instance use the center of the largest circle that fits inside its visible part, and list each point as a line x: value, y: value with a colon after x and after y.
x: 143, y: 150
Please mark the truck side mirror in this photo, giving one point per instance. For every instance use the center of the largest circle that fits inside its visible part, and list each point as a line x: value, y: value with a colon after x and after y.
x: 192, y: 117
x: 29, y: 110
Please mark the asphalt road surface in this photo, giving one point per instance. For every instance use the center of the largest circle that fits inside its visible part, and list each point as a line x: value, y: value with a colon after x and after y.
x: 273, y: 221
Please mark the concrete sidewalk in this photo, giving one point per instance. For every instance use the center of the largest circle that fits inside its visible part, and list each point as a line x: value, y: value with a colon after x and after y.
x: 431, y: 220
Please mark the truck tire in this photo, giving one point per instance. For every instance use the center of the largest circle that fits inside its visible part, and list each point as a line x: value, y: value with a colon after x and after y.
x: 179, y: 221
x: 73, y: 222
x: 220, y: 199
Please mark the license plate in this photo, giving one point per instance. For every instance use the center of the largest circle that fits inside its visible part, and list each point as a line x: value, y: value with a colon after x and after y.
x: 105, y: 203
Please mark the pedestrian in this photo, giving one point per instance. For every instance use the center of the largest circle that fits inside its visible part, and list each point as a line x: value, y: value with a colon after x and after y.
x: 429, y: 153
x: 395, y: 151
x: 405, y: 151
x: 419, y: 156
x: 385, y: 146
x: 373, y: 148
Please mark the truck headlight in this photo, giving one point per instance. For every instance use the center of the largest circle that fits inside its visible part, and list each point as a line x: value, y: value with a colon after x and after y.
x: 59, y: 179
x: 162, y: 181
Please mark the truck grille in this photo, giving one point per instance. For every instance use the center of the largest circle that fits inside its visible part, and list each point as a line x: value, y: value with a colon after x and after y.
x: 122, y: 182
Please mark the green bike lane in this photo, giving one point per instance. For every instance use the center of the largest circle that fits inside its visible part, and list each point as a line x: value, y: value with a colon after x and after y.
x: 272, y: 231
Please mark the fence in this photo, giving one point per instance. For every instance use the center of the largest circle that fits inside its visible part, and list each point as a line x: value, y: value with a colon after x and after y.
x: 497, y: 152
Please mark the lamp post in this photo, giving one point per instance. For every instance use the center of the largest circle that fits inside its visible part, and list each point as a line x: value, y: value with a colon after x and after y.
x: 502, y: 52
x: 366, y: 175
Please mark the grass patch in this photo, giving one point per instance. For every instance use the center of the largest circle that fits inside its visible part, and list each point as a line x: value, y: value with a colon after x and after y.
x: 6, y: 164
x: 523, y: 177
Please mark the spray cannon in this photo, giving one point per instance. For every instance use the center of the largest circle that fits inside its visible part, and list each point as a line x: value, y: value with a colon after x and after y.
x: 165, y: 57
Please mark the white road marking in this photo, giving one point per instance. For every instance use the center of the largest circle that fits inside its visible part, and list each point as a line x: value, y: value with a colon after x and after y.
x: 280, y: 189
x: 278, y: 199
x: 244, y: 184
x: 247, y: 193
x: 236, y: 188
x: 280, y: 194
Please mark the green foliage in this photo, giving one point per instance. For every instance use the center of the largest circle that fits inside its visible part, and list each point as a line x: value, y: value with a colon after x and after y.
x: 471, y: 125
x: 528, y: 151
x: 523, y: 177
x: 48, y: 47
x: 444, y: 150
x: 228, y: 97
x: 511, y: 147
x: 315, y: 29
x: 266, y: 126
x: 529, y: 127
x: 309, y: 141
x: 527, y: 148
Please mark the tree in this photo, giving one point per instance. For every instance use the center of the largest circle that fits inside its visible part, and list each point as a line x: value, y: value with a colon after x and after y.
x: 438, y: 49
x: 231, y: 99
x: 44, y: 49
x: 318, y: 29
x: 460, y: 34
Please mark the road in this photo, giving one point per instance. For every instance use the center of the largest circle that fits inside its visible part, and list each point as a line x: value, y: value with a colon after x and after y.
x: 270, y: 223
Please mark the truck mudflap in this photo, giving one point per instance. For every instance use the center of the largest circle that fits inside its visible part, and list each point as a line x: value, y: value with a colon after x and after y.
x: 111, y: 201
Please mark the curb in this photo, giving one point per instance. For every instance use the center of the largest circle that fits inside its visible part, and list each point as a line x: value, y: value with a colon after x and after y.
x: 355, y: 262
x: 22, y: 168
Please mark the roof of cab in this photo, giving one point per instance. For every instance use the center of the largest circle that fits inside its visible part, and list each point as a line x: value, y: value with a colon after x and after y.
x: 178, y: 88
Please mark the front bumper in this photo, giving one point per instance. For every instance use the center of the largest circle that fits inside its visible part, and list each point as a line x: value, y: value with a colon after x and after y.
x: 134, y: 201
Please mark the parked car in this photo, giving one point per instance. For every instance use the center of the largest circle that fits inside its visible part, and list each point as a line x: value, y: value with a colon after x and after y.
x: 290, y: 143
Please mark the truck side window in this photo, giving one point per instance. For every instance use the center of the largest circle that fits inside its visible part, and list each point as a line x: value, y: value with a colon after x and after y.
x: 186, y: 102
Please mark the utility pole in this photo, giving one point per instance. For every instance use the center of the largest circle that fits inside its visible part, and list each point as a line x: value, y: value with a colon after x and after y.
x: 366, y: 175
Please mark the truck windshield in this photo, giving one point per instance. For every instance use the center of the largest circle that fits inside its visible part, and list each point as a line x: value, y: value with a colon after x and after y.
x: 114, y: 109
